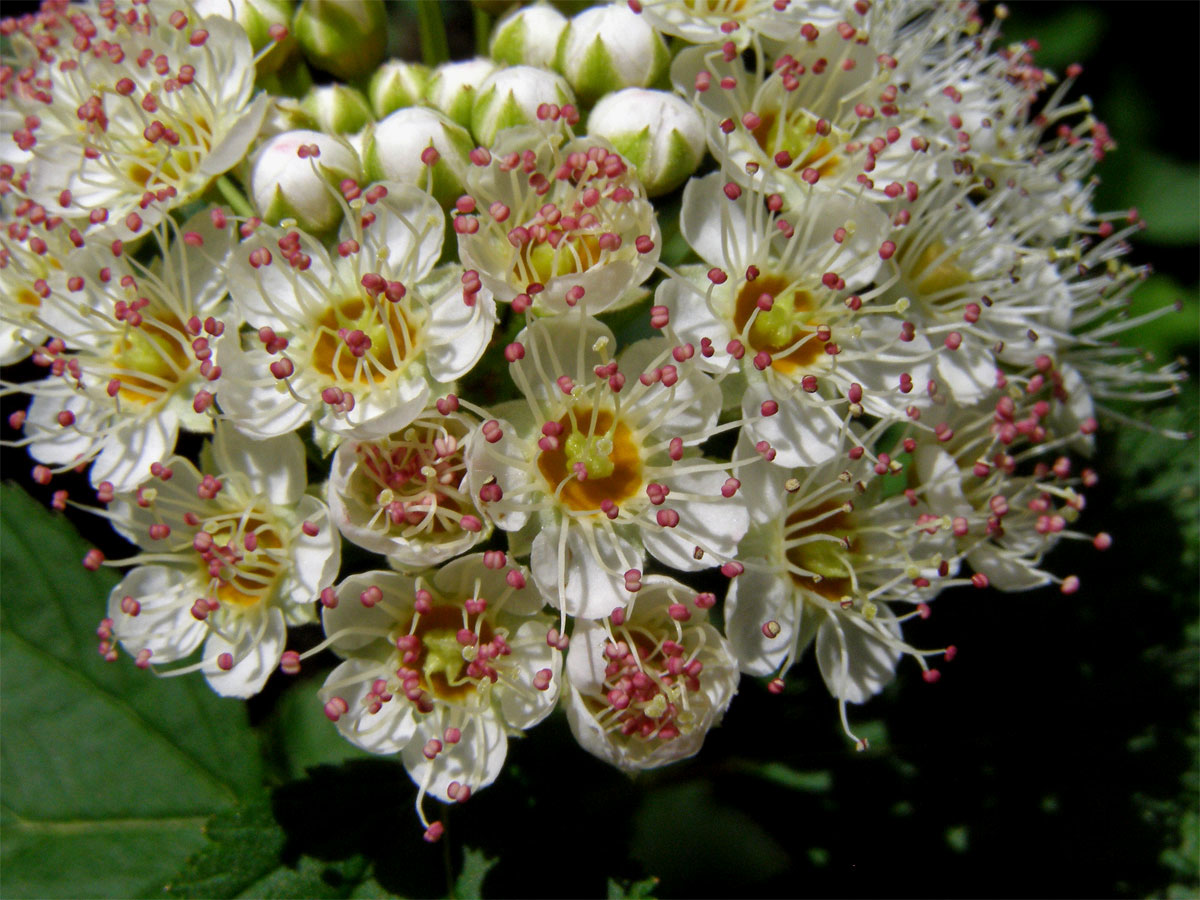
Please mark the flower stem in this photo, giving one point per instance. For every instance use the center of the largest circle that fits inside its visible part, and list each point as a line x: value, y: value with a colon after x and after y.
x: 434, y: 47
x: 483, y: 29
x: 234, y: 197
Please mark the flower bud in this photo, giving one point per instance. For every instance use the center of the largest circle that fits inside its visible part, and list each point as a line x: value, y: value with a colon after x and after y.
x: 395, y: 84
x: 606, y: 48
x: 347, y: 38
x: 337, y: 109
x: 451, y: 89
x: 292, y: 79
x: 393, y: 151
x: 511, y: 96
x: 528, y: 36
x: 284, y: 185
x: 658, y: 132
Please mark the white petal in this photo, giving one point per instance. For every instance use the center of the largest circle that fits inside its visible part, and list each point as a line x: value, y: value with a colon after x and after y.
x: 458, y: 334
x: 368, y: 623
x: 130, y: 451
x: 857, y: 663
x: 714, y: 525
x: 474, y: 761
x: 255, y: 655
x: 164, y: 625
x: 758, y: 596
x: 386, y: 731
x: 802, y: 432
x: 588, y: 581
x: 274, y: 466
x: 408, y: 229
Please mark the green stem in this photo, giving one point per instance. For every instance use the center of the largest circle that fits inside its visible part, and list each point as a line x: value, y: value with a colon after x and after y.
x: 234, y: 197
x: 434, y: 47
x: 483, y: 30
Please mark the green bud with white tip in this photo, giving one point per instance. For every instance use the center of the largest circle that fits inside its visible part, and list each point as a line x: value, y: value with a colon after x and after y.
x: 396, y: 149
x: 453, y: 85
x: 528, y: 36
x: 511, y: 97
x: 659, y: 133
x: 396, y: 84
x: 347, y: 38
x: 607, y: 48
x: 288, y: 182
x: 257, y: 18
x: 337, y: 109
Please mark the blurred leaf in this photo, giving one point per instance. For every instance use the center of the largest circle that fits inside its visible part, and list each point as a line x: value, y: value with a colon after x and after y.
x: 1069, y: 36
x: 1173, y: 333
x: 636, y: 890
x: 1165, y: 192
x: 475, y: 866
x: 108, y: 772
x: 818, y: 781
x: 683, y: 830
x: 246, y: 857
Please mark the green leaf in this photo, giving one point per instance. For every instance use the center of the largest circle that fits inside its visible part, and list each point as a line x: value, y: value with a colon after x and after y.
x: 625, y: 890
x: 475, y: 866
x: 108, y: 772
x: 246, y: 857
x: 1166, y: 193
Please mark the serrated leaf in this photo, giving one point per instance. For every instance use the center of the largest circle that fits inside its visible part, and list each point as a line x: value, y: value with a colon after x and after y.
x: 475, y: 866
x: 246, y: 857
x: 108, y: 772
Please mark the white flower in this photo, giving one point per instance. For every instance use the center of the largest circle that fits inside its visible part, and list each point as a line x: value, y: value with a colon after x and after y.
x: 138, y: 110
x: 356, y: 340
x: 607, y: 48
x: 714, y: 22
x: 660, y: 133
x: 830, y: 109
x: 555, y: 224
x: 786, y: 306
x: 645, y: 688
x: 441, y: 669
x: 287, y: 182
x: 827, y: 553
x: 35, y: 255
x: 405, y: 495
x: 595, y: 468
x: 232, y: 560
x: 139, y: 359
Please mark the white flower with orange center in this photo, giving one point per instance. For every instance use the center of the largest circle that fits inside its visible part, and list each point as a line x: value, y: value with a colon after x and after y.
x: 827, y: 553
x: 598, y: 465
x: 132, y: 355
x: 646, y: 685
x: 137, y: 110
x: 355, y: 340
x: 556, y: 225
x: 229, y: 559
x: 34, y: 253
x: 441, y: 668
x: 406, y: 496
x: 716, y: 21
x: 845, y: 106
x: 779, y: 310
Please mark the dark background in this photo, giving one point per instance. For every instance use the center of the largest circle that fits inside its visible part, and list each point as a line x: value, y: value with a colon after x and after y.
x: 1057, y: 755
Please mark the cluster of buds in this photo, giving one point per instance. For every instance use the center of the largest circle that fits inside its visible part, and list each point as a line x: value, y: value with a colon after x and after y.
x: 887, y: 323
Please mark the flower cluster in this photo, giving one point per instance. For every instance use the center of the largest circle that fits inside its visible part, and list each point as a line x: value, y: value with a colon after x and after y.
x: 889, y: 320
